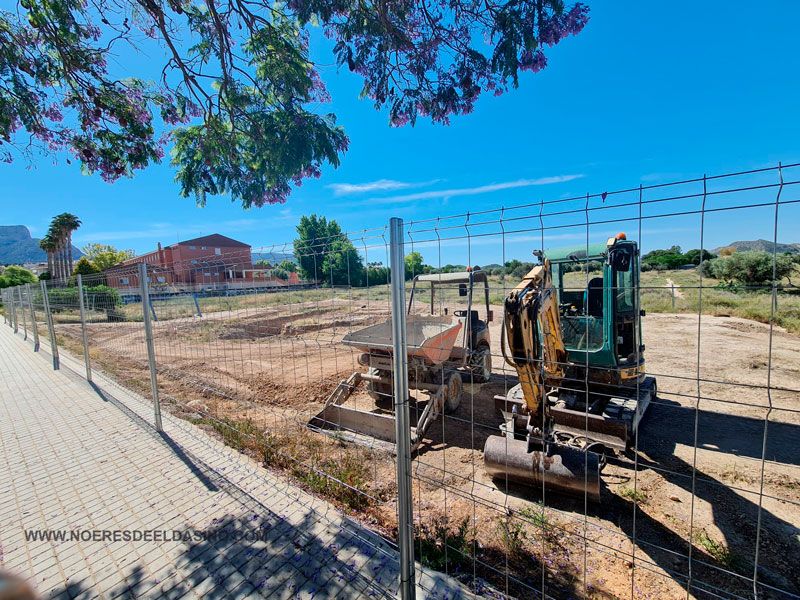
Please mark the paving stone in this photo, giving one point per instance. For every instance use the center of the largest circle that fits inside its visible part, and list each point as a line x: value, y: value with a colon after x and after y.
x: 72, y: 460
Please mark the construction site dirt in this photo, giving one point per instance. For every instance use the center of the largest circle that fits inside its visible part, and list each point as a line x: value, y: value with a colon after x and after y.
x: 701, y: 479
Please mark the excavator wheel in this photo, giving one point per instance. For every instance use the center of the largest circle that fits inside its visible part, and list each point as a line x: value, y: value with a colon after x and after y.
x: 452, y: 396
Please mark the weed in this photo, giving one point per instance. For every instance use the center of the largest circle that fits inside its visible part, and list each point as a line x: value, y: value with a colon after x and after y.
x: 537, y: 516
x: 718, y: 551
x: 512, y: 535
x: 736, y: 476
x: 343, y: 478
x: 637, y: 496
x: 442, y: 547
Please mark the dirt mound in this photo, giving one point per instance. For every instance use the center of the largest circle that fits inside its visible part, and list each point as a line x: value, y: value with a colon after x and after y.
x: 266, y: 390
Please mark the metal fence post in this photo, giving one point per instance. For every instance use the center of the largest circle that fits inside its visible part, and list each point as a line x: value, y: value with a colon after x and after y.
x: 24, y: 316
x: 405, y: 517
x: 29, y: 291
x: 83, y: 329
x: 14, y: 318
x: 148, y: 336
x: 673, y: 297
x: 197, y: 305
x: 51, y: 330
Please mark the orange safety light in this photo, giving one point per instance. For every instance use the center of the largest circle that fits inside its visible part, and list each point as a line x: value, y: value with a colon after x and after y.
x: 621, y: 236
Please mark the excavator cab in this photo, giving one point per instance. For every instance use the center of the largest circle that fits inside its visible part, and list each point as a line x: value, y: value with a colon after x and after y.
x: 600, y: 317
x: 573, y: 334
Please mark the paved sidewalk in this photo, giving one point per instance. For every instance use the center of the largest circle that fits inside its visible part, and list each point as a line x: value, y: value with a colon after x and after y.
x: 77, y: 456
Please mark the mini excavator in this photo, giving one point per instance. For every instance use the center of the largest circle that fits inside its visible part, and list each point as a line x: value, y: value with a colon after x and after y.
x: 576, y: 345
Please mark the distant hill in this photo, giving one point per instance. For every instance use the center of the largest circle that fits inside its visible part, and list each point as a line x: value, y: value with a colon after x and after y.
x: 273, y: 257
x: 18, y: 247
x: 762, y: 245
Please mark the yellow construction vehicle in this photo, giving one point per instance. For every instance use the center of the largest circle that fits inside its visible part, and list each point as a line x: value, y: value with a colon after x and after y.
x: 582, y: 387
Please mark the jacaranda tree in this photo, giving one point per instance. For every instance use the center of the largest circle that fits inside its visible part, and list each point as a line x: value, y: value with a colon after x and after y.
x: 235, y: 87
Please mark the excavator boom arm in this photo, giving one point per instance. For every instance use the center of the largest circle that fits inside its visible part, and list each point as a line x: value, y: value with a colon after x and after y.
x: 532, y: 331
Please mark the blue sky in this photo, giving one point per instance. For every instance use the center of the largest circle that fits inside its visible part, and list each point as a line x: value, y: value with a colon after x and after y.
x: 647, y: 93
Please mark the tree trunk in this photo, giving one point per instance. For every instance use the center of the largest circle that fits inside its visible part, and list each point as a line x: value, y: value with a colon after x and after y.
x: 50, y: 265
x: 62, y: 267
x: 57, y: 262
x: 64, y: 260
x: 69, y: 253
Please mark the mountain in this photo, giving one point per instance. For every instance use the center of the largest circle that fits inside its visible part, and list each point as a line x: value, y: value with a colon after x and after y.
x: 18, y: 247
x: 273, y: 257
x: 762, y: 245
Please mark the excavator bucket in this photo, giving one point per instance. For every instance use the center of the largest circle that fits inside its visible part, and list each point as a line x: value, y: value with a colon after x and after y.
x: 560, y: 469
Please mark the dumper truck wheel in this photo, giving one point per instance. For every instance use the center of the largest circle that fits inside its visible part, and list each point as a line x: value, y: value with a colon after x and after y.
x: 481, y: 364
x: 453, y: 392
x: 378, y: 391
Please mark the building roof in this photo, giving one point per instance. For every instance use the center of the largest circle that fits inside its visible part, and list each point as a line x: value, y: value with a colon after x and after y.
x: 215, y: 239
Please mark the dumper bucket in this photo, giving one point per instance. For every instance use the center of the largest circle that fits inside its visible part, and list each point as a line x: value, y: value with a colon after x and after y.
x: 561, y: 469
x: 428, y: 337
x: 375, y: 428
x: 359, y: 426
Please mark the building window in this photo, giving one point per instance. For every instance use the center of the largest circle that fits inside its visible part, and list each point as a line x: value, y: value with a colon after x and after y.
x: 194, y: 261
x: 162, y: 279
x: 192, y: 247
x: 124, y: 281
x: 218, y: 251
x: 203, y: 248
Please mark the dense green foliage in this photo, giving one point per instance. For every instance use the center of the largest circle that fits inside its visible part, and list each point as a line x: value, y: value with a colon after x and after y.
x: 751, y: 267
x: 238, y: 97
x: 326, y: 254
x: 288, y: 266
x: 15, y: 275
x: 415, y: 265
x: 378, y: 274
x: 674, y: 258
x: 103, y: 256
x: 84, y: 267
x: 97, y: 297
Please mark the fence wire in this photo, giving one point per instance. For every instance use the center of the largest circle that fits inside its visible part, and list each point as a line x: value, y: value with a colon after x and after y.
x: 699, y: 498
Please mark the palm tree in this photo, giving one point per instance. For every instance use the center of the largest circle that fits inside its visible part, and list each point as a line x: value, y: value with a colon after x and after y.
x: 70, y: 223
x: 48, y: 244
x: 61, y: 228
x: 56, y: 233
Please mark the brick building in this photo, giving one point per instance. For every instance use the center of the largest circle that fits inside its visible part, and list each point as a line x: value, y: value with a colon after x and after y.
x: 211, y: 261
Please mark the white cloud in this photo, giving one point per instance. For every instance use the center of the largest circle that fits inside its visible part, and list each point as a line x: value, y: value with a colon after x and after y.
x: 474, y: 191
x: 169, y: 233
x: 379, y: 185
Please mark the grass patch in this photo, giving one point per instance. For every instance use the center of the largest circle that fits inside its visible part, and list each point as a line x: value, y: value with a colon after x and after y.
x: 718, y: 551
x: 444, y: 546
x: 637, y: 496
x: 339, y: 476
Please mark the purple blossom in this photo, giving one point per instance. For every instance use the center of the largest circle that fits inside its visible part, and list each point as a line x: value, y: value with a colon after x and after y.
x: 533, y: 61
x: 53, y: 113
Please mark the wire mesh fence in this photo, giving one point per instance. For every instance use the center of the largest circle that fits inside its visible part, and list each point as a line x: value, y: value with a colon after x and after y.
x: 582, y: 424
